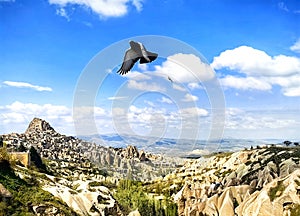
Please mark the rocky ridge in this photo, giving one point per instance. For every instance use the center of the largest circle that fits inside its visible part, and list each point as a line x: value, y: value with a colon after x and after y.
x: 67, y: 151
x: 263, y: 181
x: 255, y: 182
x: 79, y: 172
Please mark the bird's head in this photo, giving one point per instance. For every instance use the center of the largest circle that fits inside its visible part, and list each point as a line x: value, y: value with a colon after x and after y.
x: 133, y: 43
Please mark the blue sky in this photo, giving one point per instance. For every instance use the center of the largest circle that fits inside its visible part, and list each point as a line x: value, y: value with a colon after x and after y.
x: 253, y: 48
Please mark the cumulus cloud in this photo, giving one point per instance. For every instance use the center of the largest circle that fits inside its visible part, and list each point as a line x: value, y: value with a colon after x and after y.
x: 245, y: 83
x: 26, y: 85
x: 103, y: 8
x: 178, y: 87
x: 258, y: 70
x: 255, y: 62
x: 157, y: 120
x: 189, y: 98
x: 296, y: 46
x: 137, y: 75
x: 186, y: 68
x: 266, y: 121
x: 144, y: 86
x: 292, y: 91
x: 17, y: 115
x: 194, y: 85
x: 192, y: 112
x: 166, y: 100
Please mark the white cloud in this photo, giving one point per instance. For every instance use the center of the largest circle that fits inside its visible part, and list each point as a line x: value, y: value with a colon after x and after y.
x: 292, y: 91
x: 271, y: 123
x: 138, y: 4
x: 189, y: 98
x: 143, y: 67
x: 150, y: 103
x: 186, y: 68
x: 144, y: 86
x: 245, y: 83
x: 178, y: 87
x: 166, y: 100
x: 193, y: 111
x: 62, y: 12
x: 26, y: 85
x: 30, y: 109
x: 194, y: 85
x: 16, y: 116
x: 137, y: 76
x: 260, y: 71
x: 116, y: 98
x: 296, y: 46
x: 104, y: 8
x: 250, y: 61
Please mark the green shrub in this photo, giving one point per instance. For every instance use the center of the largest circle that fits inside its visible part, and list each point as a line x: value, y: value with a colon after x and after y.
x: 276, y: 191
x: 130, y: 194
x: 295, y: 211
x: 25, y: 194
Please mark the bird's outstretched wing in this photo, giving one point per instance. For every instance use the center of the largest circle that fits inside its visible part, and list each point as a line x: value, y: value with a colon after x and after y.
x: 130, y: 58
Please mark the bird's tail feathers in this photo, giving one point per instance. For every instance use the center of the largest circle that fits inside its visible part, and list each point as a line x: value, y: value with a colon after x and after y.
x: 152, y: 56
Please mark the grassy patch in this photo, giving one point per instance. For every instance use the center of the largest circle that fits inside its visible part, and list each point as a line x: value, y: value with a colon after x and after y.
x: 295, y: 211
x: 25, y: 195
x: 276, y: 191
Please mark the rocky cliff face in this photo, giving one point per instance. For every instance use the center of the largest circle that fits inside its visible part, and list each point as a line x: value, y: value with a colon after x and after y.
x: 246, y: 183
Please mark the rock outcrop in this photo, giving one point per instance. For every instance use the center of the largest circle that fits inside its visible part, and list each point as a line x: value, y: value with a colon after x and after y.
x: 277, y: 198
x: 68, y: 151
x: 38, y: 125
x: 263, y: 181
x: 84, y: 197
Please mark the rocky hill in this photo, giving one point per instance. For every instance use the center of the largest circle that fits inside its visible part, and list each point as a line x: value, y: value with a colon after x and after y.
x: 83, y: 178
x: 66, y: 151
x: 263, y: 181
x: 81, y: 174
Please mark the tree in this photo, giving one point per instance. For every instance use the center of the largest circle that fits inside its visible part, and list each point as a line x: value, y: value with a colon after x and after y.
x: 1, y: 141
x: 296, y: 143
x: 21, y: 148
x: 287, y: 142
x: 37, y: 160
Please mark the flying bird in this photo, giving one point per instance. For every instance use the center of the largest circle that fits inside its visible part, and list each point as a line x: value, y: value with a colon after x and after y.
x: 169, y: 78
x: 137, y: 51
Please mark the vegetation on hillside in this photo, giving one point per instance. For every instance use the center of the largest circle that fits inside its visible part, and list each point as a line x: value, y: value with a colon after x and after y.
x: 26, y: 193
x: 131, y: 195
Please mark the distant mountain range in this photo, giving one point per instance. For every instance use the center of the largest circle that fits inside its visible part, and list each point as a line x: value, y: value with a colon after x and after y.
x: 177, y: 147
